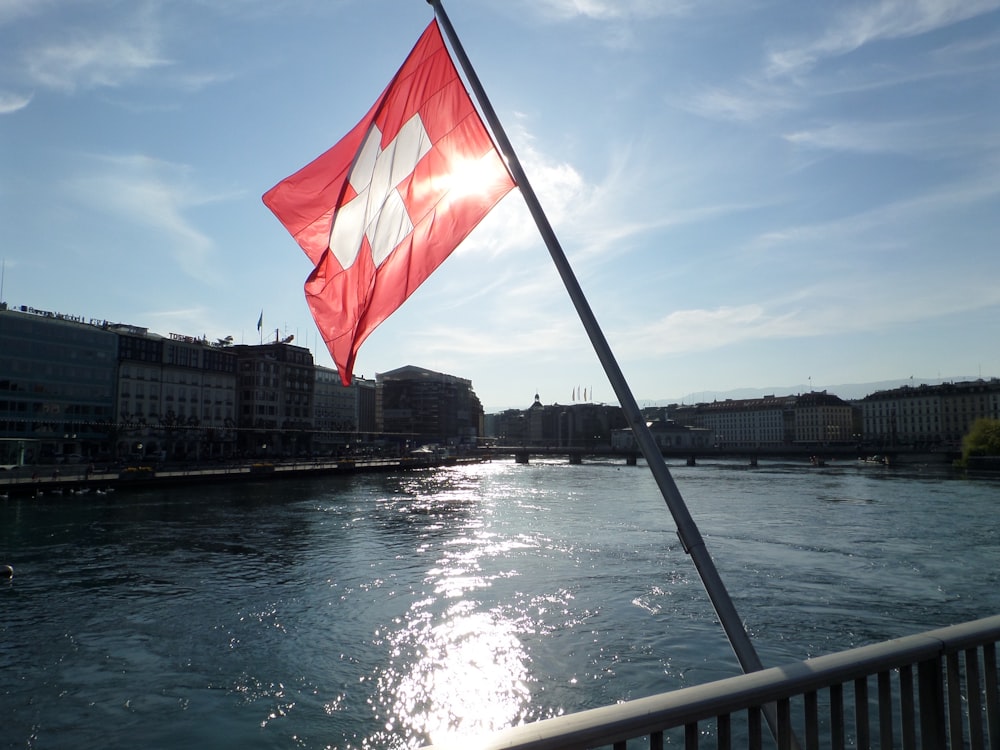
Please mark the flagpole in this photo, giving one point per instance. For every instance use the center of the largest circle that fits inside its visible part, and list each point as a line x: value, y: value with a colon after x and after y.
x: 687, y: 530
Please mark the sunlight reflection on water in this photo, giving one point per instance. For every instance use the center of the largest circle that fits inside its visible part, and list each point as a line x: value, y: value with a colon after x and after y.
x: 460, y: 672
x: 464, y: 676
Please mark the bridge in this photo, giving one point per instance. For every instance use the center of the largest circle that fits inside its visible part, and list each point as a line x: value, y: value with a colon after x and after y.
x: 807, y: 454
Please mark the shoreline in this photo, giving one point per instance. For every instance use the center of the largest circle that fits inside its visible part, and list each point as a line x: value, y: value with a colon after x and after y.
x: 57, y: 483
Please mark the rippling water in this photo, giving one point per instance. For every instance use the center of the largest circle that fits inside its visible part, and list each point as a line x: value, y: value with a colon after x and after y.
x: 390, y: 611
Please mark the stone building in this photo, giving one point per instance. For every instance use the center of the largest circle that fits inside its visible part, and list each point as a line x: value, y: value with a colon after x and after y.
x: 275, y: 394
x: 928, y: 415
x: 176, y: 396
x: 773, y: 421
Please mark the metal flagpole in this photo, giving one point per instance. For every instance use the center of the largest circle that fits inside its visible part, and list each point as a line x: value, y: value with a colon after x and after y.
x: 687, y: 530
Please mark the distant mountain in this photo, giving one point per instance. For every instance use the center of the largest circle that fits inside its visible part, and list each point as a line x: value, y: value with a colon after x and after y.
x: 848, y: 391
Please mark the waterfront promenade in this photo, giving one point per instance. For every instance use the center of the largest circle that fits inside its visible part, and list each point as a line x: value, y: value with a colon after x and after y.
x: 69, y: 479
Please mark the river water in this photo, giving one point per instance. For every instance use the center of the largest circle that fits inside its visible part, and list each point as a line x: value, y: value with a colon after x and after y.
x: 391, y: 610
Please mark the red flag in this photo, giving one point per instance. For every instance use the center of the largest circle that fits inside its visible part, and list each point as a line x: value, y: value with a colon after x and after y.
x: 383, y: 208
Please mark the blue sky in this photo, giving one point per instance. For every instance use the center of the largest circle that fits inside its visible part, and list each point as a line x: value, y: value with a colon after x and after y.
x: 762, y: 194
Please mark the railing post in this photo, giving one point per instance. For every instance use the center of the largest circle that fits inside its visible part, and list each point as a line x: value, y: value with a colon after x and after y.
x: 992, y: 694
x: 885, y: 709
x: 955, y: 717
x: 811, y: 709
x: 908, y: 717
x: 862, y: 739
x: 931, y: 690
x: 974, y: 697
x: 753, y: 728
x: 785, y: 734
x: 837, y: 717
x: 723, y: 731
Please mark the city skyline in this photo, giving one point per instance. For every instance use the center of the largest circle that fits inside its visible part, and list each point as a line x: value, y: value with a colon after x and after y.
x: 749, y: 196
x: 579, y: 394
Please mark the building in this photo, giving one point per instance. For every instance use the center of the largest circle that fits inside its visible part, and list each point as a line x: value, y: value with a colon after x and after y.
x: 773, y: 421
x: 743, y: 423
x: 508, y: 427
x: 668, y: 436
x: 75, y: 389
x: 822, y: 418
x: 275, y: 395
x: 583, y: 425
x: 342, y: 415
x: 57, y: 384
x: 176, y: 396
x: 423, y: 406
x: 928, y: 415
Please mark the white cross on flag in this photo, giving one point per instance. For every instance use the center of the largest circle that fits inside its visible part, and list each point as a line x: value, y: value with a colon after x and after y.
x: 383, y: 208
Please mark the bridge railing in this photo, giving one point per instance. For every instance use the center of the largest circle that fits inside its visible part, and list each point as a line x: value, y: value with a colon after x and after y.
x: 932, y: 691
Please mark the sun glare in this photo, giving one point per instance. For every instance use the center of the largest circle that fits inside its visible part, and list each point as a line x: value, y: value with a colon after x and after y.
x: 467, y: 178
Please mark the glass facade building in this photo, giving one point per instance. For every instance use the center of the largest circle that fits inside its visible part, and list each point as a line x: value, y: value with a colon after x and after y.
x: 57, y: 383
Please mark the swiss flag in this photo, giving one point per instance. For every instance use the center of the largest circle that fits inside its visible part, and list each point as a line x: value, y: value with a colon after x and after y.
x: 383, y: 208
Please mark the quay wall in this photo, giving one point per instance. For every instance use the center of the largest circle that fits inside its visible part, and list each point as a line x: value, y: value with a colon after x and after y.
x: 60, y: 480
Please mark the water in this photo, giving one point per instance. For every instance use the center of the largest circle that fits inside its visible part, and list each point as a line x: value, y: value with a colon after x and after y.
x: 387, y: 611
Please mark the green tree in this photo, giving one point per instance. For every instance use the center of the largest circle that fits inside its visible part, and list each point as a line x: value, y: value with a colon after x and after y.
x: 983, y: 439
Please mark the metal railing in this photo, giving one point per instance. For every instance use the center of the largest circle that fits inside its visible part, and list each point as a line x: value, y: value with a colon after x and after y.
x: 932, y: 691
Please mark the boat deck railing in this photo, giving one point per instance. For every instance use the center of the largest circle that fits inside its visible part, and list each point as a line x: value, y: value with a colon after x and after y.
x: 932, y: 691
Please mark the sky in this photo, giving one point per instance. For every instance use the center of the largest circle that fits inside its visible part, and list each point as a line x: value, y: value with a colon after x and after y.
x: 751, y: 193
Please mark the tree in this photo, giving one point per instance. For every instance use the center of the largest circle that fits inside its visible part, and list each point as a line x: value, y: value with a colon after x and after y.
x: 982, y: 440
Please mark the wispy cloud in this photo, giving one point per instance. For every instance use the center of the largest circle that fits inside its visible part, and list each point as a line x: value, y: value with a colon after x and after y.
x: 752, y: 101
x: 92, y: 60
x: 864, y: 23
x: 788, y: 83
x: 917, y: 136
x: 613, y: 9
x: 12, y: 102
x: 189, y: 320
x: 813, y: 311
x: 896, y: 219
x: 547, y: 338
x: 13, y: 10
x: 156, y: 195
